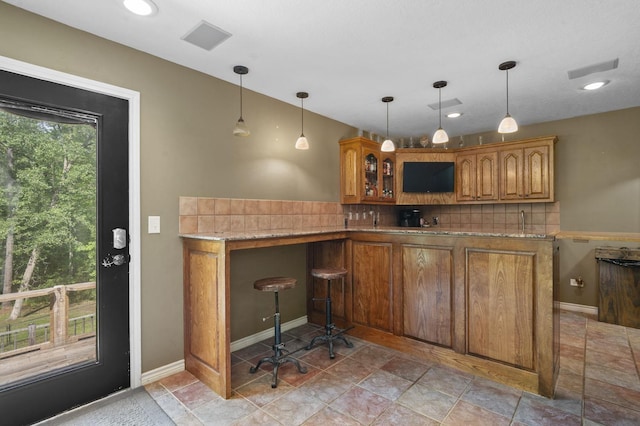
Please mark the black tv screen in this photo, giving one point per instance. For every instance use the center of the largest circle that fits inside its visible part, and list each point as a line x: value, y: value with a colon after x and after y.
x: 428, y: 177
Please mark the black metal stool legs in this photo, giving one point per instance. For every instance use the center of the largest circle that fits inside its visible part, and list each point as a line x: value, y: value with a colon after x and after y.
x: 329, y: 327
x: 279, y: 352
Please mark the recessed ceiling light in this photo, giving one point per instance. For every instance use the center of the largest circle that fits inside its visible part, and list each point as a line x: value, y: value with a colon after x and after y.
x: 454, y: 114
x: 595, y: 85
x: 141, y: 7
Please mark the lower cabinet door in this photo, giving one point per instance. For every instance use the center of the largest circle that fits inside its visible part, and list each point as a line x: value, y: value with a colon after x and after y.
x: 500, y: 310
x: 427, y: 283
x: 372, y: 292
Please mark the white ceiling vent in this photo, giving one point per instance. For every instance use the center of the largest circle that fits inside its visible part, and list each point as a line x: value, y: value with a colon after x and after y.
x: 206, y: 36
x: 592, y: 69
x: 445, y: 104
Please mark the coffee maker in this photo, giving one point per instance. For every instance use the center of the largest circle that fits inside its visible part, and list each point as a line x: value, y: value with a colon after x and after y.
x: 409, y: 218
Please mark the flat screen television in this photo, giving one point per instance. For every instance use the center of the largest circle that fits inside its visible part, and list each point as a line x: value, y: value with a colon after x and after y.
x: 436, y: 176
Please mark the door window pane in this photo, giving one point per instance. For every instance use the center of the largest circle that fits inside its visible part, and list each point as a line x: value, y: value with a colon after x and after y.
x: 47, y: 240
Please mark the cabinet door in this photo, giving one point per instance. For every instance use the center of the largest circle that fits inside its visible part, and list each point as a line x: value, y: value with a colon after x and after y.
x: 427, y: 284
x: 371, y: 177
x: 487, y: 176
x: 350, y: 175
x: 500, y: 317
x: 536, y: 181
x: 371, y: 264
x: 466, y: 177
x: 388, y: 175
x: 511, y: 174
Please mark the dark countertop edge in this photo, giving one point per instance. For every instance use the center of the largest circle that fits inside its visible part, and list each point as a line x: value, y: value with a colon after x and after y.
x: 283, y: 233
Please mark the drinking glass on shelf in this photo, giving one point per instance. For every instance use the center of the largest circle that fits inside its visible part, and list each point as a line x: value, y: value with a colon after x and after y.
x: 424, y: 141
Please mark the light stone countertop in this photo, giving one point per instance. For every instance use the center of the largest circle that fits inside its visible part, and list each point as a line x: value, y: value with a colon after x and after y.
x: 283, y: 233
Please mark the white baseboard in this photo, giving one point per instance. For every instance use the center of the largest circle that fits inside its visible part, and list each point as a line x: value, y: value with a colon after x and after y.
x: 266, y: 334
x: 178, y: 366
x: 573, y: 307
x: 162, y: 372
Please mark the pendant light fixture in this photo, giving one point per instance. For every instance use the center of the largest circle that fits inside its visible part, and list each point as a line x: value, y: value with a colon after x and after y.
x: 387, y: 145
x: 241, y: 128
x: 508, y: 124
x: 440, y: 136
x: 302, y: 142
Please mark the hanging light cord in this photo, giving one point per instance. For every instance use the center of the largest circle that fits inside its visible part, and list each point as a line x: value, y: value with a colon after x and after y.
x: 240, y: 95
x: 302, y: 116
x: 507, y: 71
x: 387, y: 120
x: 439, y: 108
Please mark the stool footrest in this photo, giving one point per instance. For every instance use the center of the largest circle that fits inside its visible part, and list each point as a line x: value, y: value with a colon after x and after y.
x: 329, y: 337
x: 277, y: 361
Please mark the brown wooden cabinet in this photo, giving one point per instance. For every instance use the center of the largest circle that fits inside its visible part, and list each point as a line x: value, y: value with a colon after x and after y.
x: 477, y: 176
x: 427, y: 293
x: 371, y: 284
x: 503, y: 172
x: 483, y: 304
x: 366, y: 174
x: 501, y: 295
x: 527, y: 172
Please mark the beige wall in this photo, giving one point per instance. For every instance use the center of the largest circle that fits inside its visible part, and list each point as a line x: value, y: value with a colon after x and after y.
x: 187, y: 150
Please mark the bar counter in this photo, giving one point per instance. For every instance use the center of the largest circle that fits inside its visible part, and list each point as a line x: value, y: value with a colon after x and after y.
x: 493, y: 315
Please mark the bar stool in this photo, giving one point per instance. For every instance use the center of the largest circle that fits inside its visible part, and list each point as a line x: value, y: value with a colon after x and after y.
x: 329, y: 274
x: 279, y: 357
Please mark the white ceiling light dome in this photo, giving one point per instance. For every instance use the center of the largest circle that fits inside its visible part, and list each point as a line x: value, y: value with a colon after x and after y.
x: 141, y: 7
x: 595, y: 85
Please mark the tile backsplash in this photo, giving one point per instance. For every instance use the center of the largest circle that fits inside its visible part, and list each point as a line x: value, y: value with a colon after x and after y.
x: 205, y: 215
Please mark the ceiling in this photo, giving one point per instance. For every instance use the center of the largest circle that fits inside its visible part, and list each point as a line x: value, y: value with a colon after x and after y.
x: 350, y: 54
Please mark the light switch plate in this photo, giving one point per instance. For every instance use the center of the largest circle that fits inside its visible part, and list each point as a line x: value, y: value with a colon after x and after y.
x: 154, y: 225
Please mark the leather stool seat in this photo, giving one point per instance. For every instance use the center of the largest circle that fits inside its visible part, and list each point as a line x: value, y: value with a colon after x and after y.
x: 329, y: 273
x: 275, y: 284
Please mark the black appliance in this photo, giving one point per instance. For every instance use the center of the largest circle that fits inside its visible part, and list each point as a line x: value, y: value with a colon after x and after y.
x: 437, y: 176
x: 409, y: 218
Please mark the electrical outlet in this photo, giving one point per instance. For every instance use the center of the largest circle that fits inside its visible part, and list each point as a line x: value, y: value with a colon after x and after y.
x: 579, y: 282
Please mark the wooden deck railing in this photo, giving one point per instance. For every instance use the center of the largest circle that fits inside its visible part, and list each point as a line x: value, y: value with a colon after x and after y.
x: 56, y: 333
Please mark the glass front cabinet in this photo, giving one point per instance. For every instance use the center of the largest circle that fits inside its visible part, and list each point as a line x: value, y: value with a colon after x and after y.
x: 366, y: 174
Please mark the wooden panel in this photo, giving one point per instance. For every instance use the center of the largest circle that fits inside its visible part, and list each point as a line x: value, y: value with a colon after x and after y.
x: 372, y: 290
x: 418, y: 155
x: 203, y: 307
x: 427, y: 293
x: 536, y: 172
x: 619, y: 286
x: 487, y: 176
x: 206, y: 314
x: 466, y: 177
x: 500, y: 306
x: 511, y: 174
x: 349, y: 174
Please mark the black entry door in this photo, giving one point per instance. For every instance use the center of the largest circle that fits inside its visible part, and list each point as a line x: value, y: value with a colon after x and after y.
x: 41, y: 395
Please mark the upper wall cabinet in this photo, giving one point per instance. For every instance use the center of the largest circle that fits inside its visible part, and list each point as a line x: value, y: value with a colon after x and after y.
x: 366, y: 174
x: 477, y: 176
x: 527, y: 172
x: 504, y: 172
